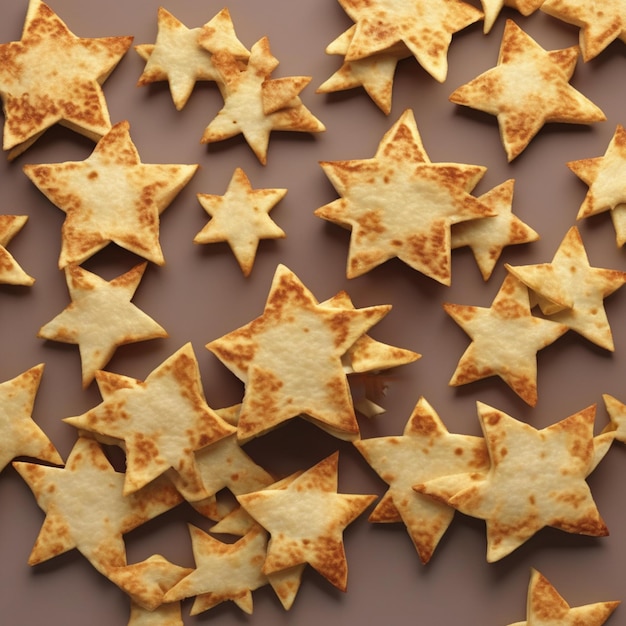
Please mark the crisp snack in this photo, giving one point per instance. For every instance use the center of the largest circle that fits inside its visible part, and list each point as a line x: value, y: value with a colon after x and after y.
x: 488, y: 237
x: 182, y: 56
x: 94, y: 217
x: 492, y: 9
x: 309, y: 378
x: 425, y: 27
x: 254, y: 104
x: 48, y: 68
x: 601, y: 22
x: 505, y: 340
x: 617, y: 416
x: 425, y: 450
x: 546, y: 607
x: 536, y: 479
x: 19, y: 434
x: 74, y: 497
x: 241, y: 218
x: 162, y: 421
x: 528, y: 88
x: 306, y: 520
x: 570, y: 281
x: 10, y: 271
x: 164, y: 615
x: 100, y: 317
x: 399, y: 204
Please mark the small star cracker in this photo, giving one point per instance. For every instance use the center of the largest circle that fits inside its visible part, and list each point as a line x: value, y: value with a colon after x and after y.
x: 52, y: 76
x: 528, y: 88
x: 10, y: 271
x: 241, y: 218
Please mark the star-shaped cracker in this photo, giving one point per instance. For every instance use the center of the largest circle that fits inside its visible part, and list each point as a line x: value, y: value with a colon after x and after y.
x: 162, y: 421
x: 505, y: 340
x: 424, y: 451
x: 100, y: 317
x: 165, y: 615
x: 536, y: 479
x: 545, y: 606
x: 255, y: 104
x: 19, y: 434
x: 577, y: 288
x: 110, y: 197
x: 290, y: 359
x: 241, y: 218
x: 10, y: 271
x: 492, y: 9
x: 52, y: 76
x: 617, y: 416
x: 528, y: 88
x: 488, y: 237
x: 601, y: 22
x: 86, y: 508
x: 306, y: 520
x: 183, y: 56
x: 425, y: 27
x: 399, y: 204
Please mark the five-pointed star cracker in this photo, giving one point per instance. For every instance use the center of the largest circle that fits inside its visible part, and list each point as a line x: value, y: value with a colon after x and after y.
x: 183, y: 56
x: 425, y: 27
x: 536, y: 479
x: 505, y: 340
x: 52, y: 76
x: 306, y: 520
x: 86, y: 508
x: 425, y: 450
x: 110, y: 197
x: 100, y: 317
x: 10, y: 271
x: 399, y: 204
x: 601, y: 22
x: 578, y: 289
x: 487, y: 237
x: 19, y: 434
x: 492, y: 9
x: 290, y: 359
x: 255, y: 104
x: 162, y: 421
x: 545, y: 606
x: 241, y: 218
x: 528, y: 88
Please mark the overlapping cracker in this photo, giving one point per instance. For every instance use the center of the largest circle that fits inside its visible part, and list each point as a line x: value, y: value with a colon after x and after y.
x: 51, y: 76
x: 398, y: 204
x: 182, y: 56
x: 11, y: 273
x: 100, y: 317
x: 241, y: 218
x: 528, y: 88
x: 505, y: 340
x: 492, y: 9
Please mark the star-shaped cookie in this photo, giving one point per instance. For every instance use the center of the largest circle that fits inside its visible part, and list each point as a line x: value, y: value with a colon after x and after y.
x: 182, y: 56
x: 52, y: 76
x: 162, y: 421
x: 537, y: 478
x: 601, y: 22
x: 577, y: 289
x: 425, y: 27
x: 100, y: 317
x: 492, y: 9
x: 10, y: 271
x: 306, y: 520
x: 255, y: 104
x: 424, y: 451
x: 398, y: 204
x: 290, y: 359
x: 545, y: 606
x: 241, y: 218
x: 505, y: 340
x: 528, y: 88
x: 19, y: 434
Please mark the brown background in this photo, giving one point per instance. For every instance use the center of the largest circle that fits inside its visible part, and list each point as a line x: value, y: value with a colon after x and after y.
x: 200, y: 294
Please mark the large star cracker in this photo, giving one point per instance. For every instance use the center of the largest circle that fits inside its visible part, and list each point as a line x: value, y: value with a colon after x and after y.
x: 52, y: 76
x: 528, y: 88
x: 10, y: 271
x: 398, y: 204
x: 537, y: 478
